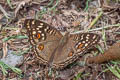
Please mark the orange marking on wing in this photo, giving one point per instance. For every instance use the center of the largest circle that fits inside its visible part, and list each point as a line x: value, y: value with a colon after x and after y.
x: 80, y: 46
x: 41, y: 47
x: 70, y: 54
x: 37, y: 36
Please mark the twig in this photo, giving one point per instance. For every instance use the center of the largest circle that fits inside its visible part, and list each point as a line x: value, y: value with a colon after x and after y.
x: 4, y: 12
x: 9, y: 3
x: 96, y: 29
x: 94, y: 21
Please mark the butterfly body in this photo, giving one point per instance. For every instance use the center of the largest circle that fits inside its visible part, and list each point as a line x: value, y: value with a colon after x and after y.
x: 54, y: 49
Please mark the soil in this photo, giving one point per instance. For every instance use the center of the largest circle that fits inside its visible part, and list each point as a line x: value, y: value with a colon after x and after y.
x: 74, y: 16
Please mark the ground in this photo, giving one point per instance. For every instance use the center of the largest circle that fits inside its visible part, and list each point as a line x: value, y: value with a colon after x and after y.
x: 74, y: 16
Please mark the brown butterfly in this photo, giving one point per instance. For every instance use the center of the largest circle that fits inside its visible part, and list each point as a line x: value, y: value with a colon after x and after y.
x: 54, y: 49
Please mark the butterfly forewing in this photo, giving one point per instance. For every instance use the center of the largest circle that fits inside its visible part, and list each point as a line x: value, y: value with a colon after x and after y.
x: 39, y: 31
x: 42, y: 37
x: 84, y: 41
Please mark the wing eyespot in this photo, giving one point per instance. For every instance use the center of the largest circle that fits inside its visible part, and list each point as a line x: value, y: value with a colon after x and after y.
x: 40, y: 47
x: 70, y: 54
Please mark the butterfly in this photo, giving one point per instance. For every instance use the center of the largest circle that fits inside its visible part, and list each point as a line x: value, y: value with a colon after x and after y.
x: 54, y: 49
